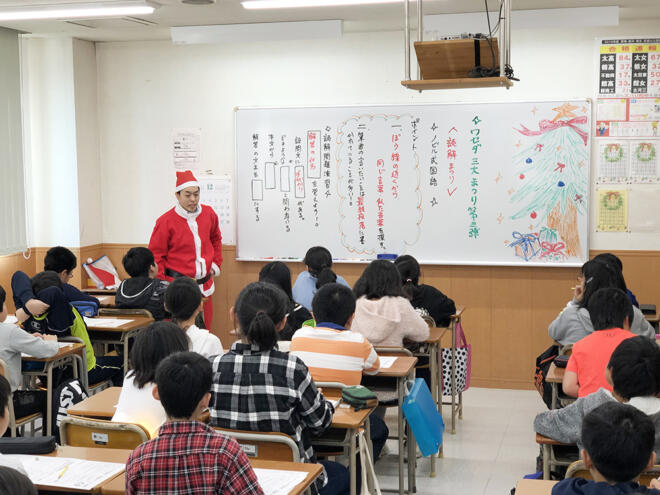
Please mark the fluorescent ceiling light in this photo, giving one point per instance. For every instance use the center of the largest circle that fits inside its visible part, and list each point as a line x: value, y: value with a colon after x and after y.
x: 77, y: 10
x: 286, y: 4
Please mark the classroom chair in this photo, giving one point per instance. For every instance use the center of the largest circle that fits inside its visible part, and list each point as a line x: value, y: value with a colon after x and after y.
x: 16, y: 424
x: 579, y: 470
x: 565, y: 400
x: 550, y: 459
x: 100, y: 433
x: 267, y: 446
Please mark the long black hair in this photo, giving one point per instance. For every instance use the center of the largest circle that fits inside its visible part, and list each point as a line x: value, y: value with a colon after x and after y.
x: 409, y: 270
x: 379, y: 279
x: 319, y: 260
x: 259, y: 308
x: 598, y: 275
x: 277, y: 273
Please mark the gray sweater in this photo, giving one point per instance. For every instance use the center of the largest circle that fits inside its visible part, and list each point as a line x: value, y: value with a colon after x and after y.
x: 574, y: 323
x: 13, y: 341
x: 565, y: 425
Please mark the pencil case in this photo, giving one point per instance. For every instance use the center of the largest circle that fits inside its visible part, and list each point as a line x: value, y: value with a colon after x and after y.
x: 359, y: 397
x: 561, y: 361
x: 27, y: 445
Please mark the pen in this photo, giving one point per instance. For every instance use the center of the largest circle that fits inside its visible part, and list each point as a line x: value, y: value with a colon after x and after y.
x: 62, y: 471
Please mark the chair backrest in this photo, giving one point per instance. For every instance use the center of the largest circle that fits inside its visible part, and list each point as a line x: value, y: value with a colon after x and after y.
x: 429, y: 320
x: 268, y: 446
x: 566, y: 350
x: 124, y: 312
x: 85, y: 432
x: 579, y: 470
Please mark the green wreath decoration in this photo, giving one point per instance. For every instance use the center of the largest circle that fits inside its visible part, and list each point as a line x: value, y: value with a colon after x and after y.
x: 608, y: 206
x: 638, y: 150
x: 618, y: 157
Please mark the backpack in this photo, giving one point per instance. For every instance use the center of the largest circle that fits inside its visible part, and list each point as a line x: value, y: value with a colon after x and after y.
x: 543, y: 363
x: 69, y: 393
x: 79, y: 329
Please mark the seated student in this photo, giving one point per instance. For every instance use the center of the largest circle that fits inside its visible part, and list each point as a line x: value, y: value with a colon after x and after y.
x: 618, y: 447
x: 63, y: 319
x: 184, y: 300
x: 258, y: 388
x: 136, y: 403
x: 424, y: 297
x: 383, y: 314
x: 574, y: 323
x: 333, y: 353
x: 188, y: 456
x: 143, y: 290
x: 5, y: 397
x: 277, y: 273
x: 14, y: 341
x: 634, y: 375
x: 614, y: 261
x: 318, y: 261
x: 610, y: 311
x: 14, y: 481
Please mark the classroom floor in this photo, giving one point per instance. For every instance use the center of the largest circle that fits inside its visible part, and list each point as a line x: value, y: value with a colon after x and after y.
x: 492, y: 449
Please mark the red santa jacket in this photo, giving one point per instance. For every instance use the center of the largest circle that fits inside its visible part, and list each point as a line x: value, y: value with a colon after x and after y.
x: 189, y: 243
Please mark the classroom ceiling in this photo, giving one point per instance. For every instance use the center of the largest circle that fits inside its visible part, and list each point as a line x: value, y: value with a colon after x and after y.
x: 383, y: 17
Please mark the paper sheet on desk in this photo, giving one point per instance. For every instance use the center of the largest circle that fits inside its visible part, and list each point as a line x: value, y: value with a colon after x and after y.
x: 276, y: 482
x: 105, y: 322
x: 63, y: 472
x: 386, y: 361
x: 61, y: 344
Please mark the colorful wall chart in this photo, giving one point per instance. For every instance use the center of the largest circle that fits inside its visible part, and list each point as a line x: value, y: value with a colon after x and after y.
x: 495, y: 183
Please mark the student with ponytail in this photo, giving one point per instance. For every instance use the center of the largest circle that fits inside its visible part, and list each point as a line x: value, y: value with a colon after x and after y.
x: 319, y: 262
x: 256, y: 387
x: 425, y: 298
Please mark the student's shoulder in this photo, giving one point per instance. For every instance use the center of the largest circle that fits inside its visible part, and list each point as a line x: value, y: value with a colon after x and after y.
x: 574, y: 486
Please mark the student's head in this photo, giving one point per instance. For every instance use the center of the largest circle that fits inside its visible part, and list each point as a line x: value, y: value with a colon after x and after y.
x: 318, y: 261
x: 183, y: 384
x: 597, y: 275
x: 260, y: 311
x: 5, y: 397
x: 15, y: 483
x: 409, y: 270
x: 634, y: 369
x: 62, y: 261
x: 139, y: 262
x: 380, y: 278
x: 334, y: 303
x: 151, y: 346
x: 3, y: 306
x: 183, y: 299
x: 615, y: 263
x: 618, y: 441
x: 45, y: 279
x: 187, y: 191
x: 610, y: 308
x: 277, y: 273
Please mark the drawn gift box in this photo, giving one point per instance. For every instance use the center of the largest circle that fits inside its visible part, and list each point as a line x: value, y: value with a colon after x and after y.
x: 526, y: 246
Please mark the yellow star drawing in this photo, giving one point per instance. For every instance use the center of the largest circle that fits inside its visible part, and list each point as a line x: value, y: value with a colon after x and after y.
x: 584, y: 109
x: 566, y: 110
x: 581, y: 164
x: 558, y: 148
x: 518, y: 144
x: 500, y: 217
x: 534, y: 110
x: 511, y: 191
x: 498, y: 178
x: 531, y: 227
x: 506, y: 243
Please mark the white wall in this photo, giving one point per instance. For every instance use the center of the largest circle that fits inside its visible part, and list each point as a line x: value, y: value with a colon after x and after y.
x: 145, y: 89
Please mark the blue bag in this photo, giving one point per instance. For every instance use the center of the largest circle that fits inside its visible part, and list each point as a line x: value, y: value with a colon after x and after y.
x: 86, y: 308
x: 423, y: 417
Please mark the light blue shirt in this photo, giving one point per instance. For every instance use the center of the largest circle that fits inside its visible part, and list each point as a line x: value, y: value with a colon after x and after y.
x: 305, y: 288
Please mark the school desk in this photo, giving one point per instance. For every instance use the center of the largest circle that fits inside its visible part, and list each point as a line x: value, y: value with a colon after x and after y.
x: 554, y: 377
x: 106, y: 301
x: 93, y: 291
x: 69, y: 355
x: 117, y: 486
x: 534, y: 487
x: 121, y: 335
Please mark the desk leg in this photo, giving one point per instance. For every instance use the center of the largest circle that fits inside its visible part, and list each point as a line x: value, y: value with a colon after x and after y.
x: 555, y: 395
x: 49, y: 398
x: 412, y: 456
x: 370, y: 448
x: 453, y: 378
x: 433, y: 365
x: 546, y: 461
x: 351, y: 461
x: 399, y: 386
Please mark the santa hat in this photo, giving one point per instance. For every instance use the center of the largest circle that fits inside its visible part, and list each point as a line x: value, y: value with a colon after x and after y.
x: 185, y: 179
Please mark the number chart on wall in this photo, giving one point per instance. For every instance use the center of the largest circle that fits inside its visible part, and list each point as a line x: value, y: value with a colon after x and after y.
x: 491, y: 183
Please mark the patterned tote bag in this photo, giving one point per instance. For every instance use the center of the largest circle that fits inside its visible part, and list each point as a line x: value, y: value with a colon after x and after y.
x: 463, y: 364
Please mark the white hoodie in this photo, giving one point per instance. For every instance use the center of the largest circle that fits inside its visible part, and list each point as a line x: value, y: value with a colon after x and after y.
x: 388, y: 320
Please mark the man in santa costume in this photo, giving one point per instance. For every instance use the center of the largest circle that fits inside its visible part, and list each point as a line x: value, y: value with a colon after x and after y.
x: 186, y: 241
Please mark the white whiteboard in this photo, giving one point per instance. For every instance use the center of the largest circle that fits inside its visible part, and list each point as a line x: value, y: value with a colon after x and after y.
x: 493, y: 183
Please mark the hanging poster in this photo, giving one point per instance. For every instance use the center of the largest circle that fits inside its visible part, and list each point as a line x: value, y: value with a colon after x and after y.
x: 612, y: 210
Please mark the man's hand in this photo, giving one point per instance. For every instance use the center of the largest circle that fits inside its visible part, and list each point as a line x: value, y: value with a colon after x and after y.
x: 36, y: 307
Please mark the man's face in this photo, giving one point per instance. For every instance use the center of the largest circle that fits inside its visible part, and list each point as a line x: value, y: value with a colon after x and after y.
x: 188, y: 198
x: 65, y: 276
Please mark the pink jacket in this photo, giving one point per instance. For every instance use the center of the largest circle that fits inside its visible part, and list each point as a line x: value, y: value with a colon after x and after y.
x: 388, y: 320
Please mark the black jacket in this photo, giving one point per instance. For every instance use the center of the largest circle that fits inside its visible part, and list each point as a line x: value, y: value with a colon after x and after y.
x: 579, y: 486
x: 439, y: 306
x: 143, y: 293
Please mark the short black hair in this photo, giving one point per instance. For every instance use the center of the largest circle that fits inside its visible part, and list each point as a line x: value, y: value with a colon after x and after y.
x: 619, y: 439
x: 379, y: 279
x: 609, y: 258
x: 182, y: 298
x: 137, y: 261
x: 608, y: 308
x: 317, y: 258
x: 334, y: 303
x: 45, y: 279
x: 182, y: 379
x: 277, y: 273
x: 635, y: 368
x: 151, y: 346
x: 599, y: 275
x: 5, y: 395
x: 59, y: 258
x: 259, y: 307
x: 14, y: 482
x: 3, y: 296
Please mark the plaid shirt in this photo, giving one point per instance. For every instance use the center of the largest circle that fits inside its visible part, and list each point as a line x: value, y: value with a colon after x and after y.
x: 189, y: 457
x: 269, y: 391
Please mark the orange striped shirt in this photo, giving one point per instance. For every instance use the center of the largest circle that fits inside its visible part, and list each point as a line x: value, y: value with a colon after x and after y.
x: 335, y: 355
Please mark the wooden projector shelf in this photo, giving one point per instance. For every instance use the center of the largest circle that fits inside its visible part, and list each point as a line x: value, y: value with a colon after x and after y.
x: 445, y: 64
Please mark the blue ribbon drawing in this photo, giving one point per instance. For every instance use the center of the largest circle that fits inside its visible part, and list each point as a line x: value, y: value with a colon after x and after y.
x: 528, y: 245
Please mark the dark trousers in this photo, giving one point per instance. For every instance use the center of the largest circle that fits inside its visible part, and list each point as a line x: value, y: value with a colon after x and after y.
x: 339, y: 480
x: 107, y: 367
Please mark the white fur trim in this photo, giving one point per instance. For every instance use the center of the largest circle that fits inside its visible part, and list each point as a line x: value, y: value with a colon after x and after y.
x: 186, y: 184
x: 209, y: 291
x: 215, y: 269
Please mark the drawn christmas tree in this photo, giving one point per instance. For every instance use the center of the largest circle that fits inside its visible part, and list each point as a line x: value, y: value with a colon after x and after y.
x: 552, y: 180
